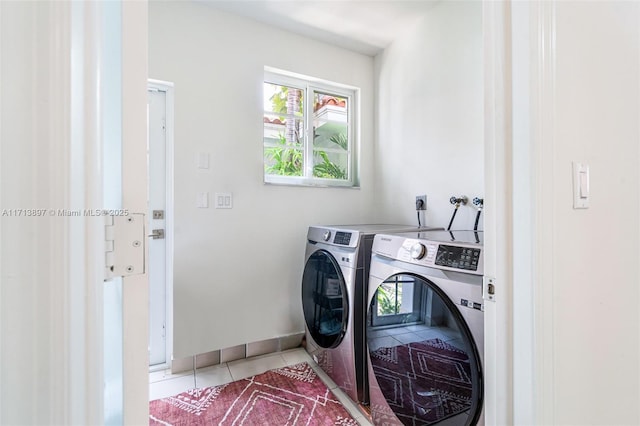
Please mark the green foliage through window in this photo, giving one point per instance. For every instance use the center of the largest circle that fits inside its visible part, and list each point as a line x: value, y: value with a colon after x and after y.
x: 304, y: 125
x: 284, y: 160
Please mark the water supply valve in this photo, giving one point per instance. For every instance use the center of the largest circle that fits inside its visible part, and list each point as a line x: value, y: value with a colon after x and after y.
x: 459, y: 200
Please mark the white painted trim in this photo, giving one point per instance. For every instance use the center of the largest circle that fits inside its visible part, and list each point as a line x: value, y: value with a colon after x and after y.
x: 638, y: 18
x: 2, y: 275
x: 86, y: 255
x: 134, y: 171
x: 523, y: 339
x: 543, y: 68
x: 168, y: 88
x: 530, y: 57
x: 498, y: 213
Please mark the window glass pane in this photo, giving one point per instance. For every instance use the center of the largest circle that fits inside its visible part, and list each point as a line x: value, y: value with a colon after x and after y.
x: 283, y: 160
x: 330, y: 165
x: 276, y: 128
x: 283, y: 130
x: 330, y: 136
x: 330, y: 120
x: 330, y: 107
x: 283, y: 100
x: 284, y: 111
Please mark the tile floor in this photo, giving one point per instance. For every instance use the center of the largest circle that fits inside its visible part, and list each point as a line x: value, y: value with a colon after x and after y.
x: 163, y: 383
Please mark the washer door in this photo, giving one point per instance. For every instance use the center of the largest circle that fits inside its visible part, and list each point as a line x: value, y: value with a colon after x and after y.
x: 324, y: 299
x: 423, y: 357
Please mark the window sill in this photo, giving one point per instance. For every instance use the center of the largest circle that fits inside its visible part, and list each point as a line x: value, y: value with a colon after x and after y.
x: 305, y: 183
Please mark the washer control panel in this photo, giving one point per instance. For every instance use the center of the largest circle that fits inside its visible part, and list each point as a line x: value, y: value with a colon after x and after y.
x: 459, y: 256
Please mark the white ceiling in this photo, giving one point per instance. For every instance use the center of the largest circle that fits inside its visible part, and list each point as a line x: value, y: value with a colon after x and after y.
x: 365, y: 26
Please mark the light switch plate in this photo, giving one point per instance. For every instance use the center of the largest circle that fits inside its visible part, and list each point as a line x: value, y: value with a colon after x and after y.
x: 203, y: 200
x: 581, y: 190
x: 224, y: 200
x: 202, y: 161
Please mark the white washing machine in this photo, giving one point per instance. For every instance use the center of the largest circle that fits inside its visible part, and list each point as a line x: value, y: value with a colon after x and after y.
x: 425, y: 328
x: 334, y: 291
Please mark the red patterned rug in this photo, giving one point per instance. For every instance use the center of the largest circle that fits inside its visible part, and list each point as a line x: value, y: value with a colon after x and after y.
x: 291, y: 395
x: 424, y: 382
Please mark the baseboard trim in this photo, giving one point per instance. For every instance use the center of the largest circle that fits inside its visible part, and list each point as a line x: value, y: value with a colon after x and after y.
x: 247, y: 350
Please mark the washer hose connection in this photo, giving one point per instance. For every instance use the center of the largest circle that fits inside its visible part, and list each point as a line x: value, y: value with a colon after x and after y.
x: 479, y: 203
x: 456, y: 201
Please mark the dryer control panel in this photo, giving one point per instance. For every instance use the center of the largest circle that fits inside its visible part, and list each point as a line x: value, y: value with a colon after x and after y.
x: 333, y: 236
x: 342, y: 238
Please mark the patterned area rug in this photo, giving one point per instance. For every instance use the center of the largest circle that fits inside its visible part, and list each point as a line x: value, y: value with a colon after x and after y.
x: 289, y: 396
x: 423, y: 382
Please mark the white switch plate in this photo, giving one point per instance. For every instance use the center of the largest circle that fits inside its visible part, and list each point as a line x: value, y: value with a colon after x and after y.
x: 224, y: 200
x: 202, y: 160
x: 203, y: 200
x: 581, y: 185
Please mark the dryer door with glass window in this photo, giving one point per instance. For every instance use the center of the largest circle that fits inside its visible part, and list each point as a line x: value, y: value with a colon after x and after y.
x: 423, y: 357
x: 324, y: 299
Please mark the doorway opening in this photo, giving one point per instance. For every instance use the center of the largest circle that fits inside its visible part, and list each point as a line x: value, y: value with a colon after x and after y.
x: 160, y: 211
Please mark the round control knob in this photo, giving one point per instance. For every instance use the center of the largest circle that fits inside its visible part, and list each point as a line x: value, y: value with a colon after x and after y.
x: 326, y: 235
x: 418, y: 251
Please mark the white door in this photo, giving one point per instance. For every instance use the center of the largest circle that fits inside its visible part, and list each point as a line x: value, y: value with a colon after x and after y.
x: 159, y: 157
x: 121, y: 120
x: 73, y: 139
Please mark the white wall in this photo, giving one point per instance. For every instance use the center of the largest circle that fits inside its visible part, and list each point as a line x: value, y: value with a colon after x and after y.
x: 595, y: 277
x: 580, y: 96
x: 429, y: 117
x: 237, y: 272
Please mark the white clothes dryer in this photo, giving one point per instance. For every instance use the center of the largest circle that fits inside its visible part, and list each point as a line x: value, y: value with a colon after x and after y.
x: 334, y: 291
x: 425, y: 328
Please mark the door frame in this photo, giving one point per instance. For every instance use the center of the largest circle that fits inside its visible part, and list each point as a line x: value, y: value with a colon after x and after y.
x: 519, y: 53
x: 498, y: 211
x: 134, y: 176
x: 168, y: 88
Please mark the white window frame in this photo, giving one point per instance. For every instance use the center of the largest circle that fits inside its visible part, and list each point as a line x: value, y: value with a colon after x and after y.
x: 310, y: 85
